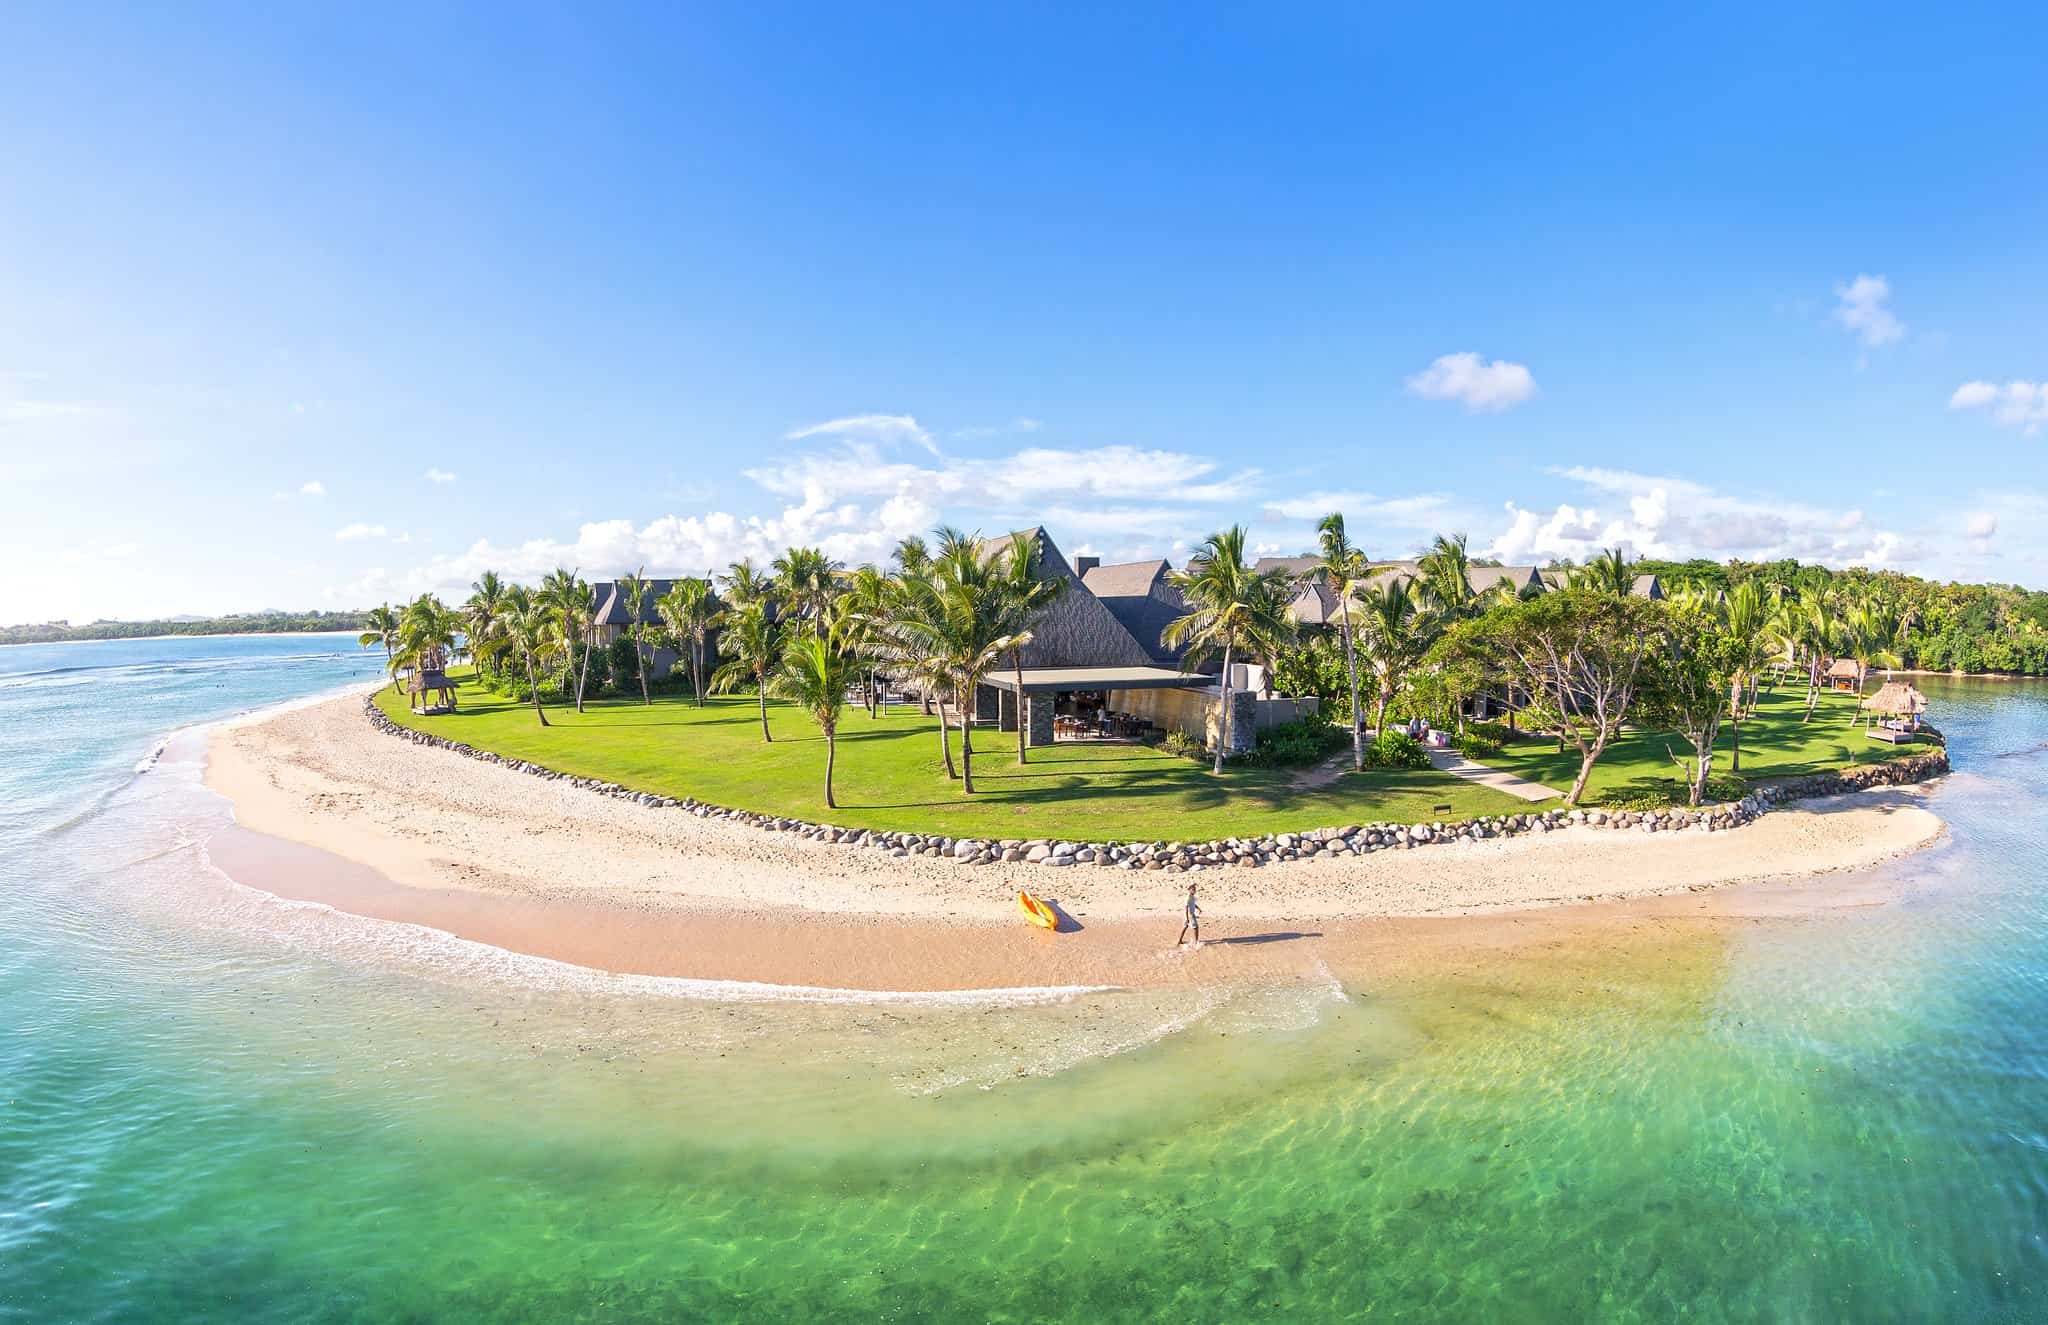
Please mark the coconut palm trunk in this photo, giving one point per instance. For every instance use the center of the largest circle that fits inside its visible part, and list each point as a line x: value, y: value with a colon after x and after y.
x: 946, y: 739
x: 761, y: 693
x: 583, y: 670
x: 831, y: 754
x: 640, y: 656
x: 1351, y: 667
x: 1223, y: 718
x: 1017, y: 664
x: 533, y: 689
x: 966, y: 750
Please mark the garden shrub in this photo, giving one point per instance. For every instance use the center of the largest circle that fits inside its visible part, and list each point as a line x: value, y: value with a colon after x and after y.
x: 1303, y: 741
x: 1475, y: 745
x: 1396, y: 749
x: 1497, y: 732
x: 1181, y: 744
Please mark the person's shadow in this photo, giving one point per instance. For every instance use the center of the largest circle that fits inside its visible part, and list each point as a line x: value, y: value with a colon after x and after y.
x: 1278, y: 937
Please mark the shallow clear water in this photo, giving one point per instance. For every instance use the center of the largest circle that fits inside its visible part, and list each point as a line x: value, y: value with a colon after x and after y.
x: 217, y: 1106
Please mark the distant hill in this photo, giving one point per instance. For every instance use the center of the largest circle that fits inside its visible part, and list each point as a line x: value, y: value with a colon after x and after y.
x: 256, y: 623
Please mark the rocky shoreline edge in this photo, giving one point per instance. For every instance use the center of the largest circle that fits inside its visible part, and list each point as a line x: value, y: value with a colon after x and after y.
x: 1234, y: 852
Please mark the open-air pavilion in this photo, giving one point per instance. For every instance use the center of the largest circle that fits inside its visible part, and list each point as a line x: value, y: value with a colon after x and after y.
x: 1094, y: 701
x: 1900, y: 704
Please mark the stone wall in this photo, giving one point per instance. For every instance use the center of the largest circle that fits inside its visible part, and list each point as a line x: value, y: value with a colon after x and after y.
x: 1235, y: 852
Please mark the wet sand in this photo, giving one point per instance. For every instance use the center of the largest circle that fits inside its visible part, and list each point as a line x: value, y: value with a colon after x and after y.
x: 330, y: 811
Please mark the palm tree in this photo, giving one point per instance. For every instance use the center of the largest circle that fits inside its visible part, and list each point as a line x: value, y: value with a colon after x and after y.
x: 483, y: 618
x: 1809, y: 627
x: 953, y: 626
x: 426, y: 636
x: 1232, y: 607
x: 806, y: 581
x: 1445, y: 584
x: 911, y: 555
x: 688, y: 610
x: 636, y: 590
x: 1746, y: 616
x: 1394, y: 631
x: 751, y: 641
x: 866, y: 601
x: 574, y: 603
x: 1611, y: 572
x: 813, y: 674
x: 1342, y: 566
x: 382, y: 628
x: 529, y: 634
x: 1025, y: 598
x: 744, y: 583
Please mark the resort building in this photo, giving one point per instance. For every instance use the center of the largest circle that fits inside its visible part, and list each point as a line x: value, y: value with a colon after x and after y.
x: 1097, y: 666
x: 614, y: 613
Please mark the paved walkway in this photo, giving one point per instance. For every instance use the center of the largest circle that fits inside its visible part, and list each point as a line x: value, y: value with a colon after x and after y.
x: 1457, y: 765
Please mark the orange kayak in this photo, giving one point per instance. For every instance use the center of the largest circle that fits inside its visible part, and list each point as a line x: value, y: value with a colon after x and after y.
x: 1037, y: 912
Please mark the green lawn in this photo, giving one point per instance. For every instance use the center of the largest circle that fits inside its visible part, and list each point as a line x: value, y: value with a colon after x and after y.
x: 1775, y: 744
x: 890, y: 774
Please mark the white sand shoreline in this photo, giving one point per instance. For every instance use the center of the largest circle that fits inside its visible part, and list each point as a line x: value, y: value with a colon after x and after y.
x: 320, y: 775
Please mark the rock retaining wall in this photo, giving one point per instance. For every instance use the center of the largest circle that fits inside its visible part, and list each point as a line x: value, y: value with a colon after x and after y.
x: 1238, y: 852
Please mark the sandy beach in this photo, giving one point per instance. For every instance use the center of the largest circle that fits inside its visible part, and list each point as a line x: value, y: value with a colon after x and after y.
x: 329, y: 810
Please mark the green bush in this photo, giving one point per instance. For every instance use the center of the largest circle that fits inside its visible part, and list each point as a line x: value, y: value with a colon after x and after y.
x: 1637, y: 798
x: 1304, y: 741
x: 1475, y: 745
x: 1396, y: 749
x: 1180, y: 744
x: 1497, y: 732
x: 1726, y: 787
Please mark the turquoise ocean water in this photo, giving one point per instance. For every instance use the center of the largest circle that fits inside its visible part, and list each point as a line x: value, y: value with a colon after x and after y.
x: 218, y: 1106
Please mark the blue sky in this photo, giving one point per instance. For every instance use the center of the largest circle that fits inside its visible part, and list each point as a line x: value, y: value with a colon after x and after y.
x: 318, y: 308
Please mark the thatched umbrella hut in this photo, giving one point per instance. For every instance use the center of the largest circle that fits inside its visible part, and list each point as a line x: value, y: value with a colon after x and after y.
x: 1897, y: 699
x: 1845, y: 674
x: 431, y: 678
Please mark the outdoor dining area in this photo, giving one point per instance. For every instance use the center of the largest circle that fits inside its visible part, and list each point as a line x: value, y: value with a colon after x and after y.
x: 1084, y: 715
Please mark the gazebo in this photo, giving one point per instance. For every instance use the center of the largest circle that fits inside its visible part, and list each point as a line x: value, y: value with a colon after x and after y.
x: 1901, y: 704
x: 430, y: 678
x: 1845, y: 674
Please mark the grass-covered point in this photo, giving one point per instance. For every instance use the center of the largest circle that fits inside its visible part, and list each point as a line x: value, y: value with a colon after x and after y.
x: 888, y: 772
x: 1639, y: 766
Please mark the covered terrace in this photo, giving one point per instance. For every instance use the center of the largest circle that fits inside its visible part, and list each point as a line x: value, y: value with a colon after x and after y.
x: 1074, y: 701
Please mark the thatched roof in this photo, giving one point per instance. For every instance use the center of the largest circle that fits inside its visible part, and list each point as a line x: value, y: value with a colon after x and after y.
x: 613, y: 610
x: 1844, y: 669
x: 1077, y: 630
x: 1140, y: 596
x: 1897, y: 697
x: 429, y: 678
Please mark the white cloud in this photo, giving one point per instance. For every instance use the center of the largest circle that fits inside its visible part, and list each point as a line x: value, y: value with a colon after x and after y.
x: 2017, y: 404
x: 439, y: 476
x: 1981, y: 524
x: 1679, y: 518
x: 886, y: 428
x: 1426, y: 511
x: 123, y: 549
x: 982, y: 432
x: 353, y: 533
x: 1019, y: 480
x: 1860, y: 308
x: 1482, y: 386
x: 312, y: 487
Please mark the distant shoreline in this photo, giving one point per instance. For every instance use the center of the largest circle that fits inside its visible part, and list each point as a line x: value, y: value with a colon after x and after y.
x: 197, y: 634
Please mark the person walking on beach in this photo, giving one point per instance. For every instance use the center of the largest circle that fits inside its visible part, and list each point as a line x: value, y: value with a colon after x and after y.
x: 1194, y: 919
